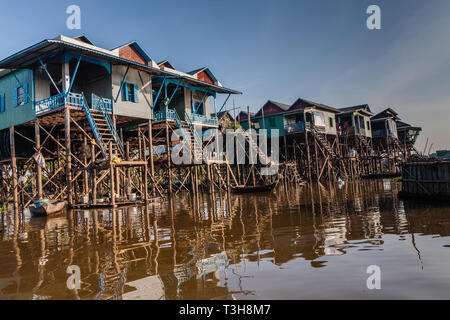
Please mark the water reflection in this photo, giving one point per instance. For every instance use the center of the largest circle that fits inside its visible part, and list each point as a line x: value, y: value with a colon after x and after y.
x: 309, y: 242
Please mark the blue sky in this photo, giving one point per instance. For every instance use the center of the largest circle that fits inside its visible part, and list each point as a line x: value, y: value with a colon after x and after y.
x: 280, y: 50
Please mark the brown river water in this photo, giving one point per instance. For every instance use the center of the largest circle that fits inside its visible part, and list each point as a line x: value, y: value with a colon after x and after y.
x: 310, y: 242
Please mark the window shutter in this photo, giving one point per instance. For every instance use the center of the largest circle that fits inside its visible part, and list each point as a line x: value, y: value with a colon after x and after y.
x: 136, y: 96
x: 125, y: 91
x: 25, y: 93
x: 2, y: 103
x: 15, y: 97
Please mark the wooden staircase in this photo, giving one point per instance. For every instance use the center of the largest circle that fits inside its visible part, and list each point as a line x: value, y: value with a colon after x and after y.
x: 333, y: 157
x: 365, y: 144
x: 323, y: 141
x: 265, y: 161
x: 104, y: 131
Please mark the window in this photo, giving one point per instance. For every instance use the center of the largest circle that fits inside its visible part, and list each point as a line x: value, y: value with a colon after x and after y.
x: 272, y: 122
x: 21, y: 95
x: 2, y: 103
x: 330, y: 119
x: 361, y: 122
x: 198, y: 108
x: 130, y: 92
x: 299, y: 117
x: 368, y: 125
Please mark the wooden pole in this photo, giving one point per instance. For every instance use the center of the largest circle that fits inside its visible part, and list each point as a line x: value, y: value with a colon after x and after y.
x: 85, y: 173
x: 94, y: 176
x: 111, y: 170
x: 144, y: 149
x: 140, y: 158
x: 308, y: 155
x: 68, y: 156
x: 236, y: 143
x: 152, y: 165
x: 38, y: 167
x: 12, y: 144
x: 169, y: 168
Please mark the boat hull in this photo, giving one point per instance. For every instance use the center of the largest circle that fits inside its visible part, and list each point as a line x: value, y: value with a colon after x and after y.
x: 47, y: 209
x: 256, y: 189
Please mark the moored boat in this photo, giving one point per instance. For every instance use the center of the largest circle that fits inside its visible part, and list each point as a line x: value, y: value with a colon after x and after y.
x: 47, y: 208
x: 257, y: 188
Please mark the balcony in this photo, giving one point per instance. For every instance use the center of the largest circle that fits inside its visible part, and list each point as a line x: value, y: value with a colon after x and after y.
x: 101, y: 104
x: 72, y: 99
x: 294, y: 127
x: 168, y: 114
x: 203, y: 120
x: 50, y: 103
x: 197, y: 119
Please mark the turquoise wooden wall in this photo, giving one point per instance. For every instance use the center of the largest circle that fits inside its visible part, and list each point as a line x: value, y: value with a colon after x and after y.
x: 272, y: 122
x: 277, y: 122
x: 13, y: 116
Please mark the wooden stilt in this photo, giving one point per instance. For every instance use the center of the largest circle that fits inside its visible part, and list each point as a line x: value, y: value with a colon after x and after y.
x: 144, y: 150
x: 152, y: 164
x: 94, y: 176
x: 85, y: 172
x: 12, y: 144
x: 169, y: 166
x: 68, y: 156
x: 111, y: 171
x: 38, y: 150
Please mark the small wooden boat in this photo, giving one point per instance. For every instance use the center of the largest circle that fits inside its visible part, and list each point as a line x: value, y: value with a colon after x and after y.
x: 44, y: 209
x: 258, y: 188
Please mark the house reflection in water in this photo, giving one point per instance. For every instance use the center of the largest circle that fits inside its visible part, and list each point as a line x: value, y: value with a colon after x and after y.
x: 207, y: 248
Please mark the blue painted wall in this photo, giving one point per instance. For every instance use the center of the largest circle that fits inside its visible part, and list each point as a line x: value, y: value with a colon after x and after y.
x: 16, y: 115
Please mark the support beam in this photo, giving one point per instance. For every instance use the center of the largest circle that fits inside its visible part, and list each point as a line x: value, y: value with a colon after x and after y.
x: 121, y: 84
x: 74, y: 74
x: 38, y: 167
x: 49, y: 76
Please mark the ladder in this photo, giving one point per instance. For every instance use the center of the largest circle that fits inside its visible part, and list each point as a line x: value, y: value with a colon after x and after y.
x: 101, y: 105
x: 323, y: 141
x: 366, y: 144
x: 321, y: 137
x: 255, y: 148
x: 101, y: 129
x: 197, y: 140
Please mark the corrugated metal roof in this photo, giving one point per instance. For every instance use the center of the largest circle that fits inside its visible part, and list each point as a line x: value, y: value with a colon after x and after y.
x: 363, y: 108
x: 280, y: 105
x: 317, y: 105
x: 389, y: 113
x: 47, y: 48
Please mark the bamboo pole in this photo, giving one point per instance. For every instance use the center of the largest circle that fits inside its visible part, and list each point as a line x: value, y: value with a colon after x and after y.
x: 169, y: 168
x: 111, y: 170
x: 152, y: 165
x: 12, y: 143
x: 94, y: 176
x: 85, y: 173
x: 38, y: 167
x: 144, y: 148
x: 68, y: 156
